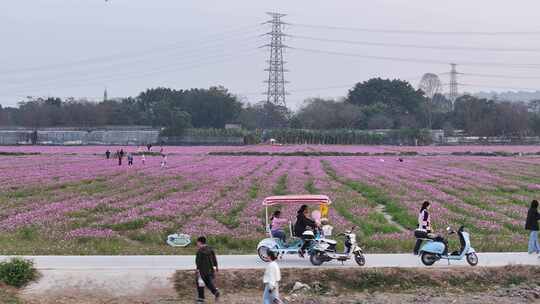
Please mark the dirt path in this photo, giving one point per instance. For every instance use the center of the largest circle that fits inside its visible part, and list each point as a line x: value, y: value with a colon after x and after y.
x: 517, y: 295
x: 382, y: 210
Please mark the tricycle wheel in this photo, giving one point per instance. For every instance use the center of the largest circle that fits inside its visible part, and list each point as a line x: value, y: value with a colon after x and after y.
x: 360, y: 259
x: 263, y: 253
x: 316, y: 259
x: 428, y: 259
x: 472, y: 259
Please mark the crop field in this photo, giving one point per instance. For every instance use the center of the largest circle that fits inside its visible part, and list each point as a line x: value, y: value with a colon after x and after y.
x: 71, y: 200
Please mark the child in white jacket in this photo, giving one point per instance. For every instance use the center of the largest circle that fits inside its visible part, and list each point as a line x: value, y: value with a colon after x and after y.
x: 271, y: 278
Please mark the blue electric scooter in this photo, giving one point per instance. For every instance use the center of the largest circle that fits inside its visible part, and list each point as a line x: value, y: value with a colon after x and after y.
x: 434, y: 249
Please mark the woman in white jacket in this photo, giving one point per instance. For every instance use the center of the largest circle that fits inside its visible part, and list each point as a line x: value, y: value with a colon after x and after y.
x: 271, y: 278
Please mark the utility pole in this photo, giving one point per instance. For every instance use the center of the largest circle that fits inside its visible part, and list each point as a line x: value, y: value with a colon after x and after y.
x: 453, y: 84
x: 276, y: 93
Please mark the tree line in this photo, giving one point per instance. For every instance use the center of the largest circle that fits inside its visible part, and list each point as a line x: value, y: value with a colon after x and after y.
x: 369, y: 105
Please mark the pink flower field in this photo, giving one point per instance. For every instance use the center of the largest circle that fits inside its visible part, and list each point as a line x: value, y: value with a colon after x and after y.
x: 71, y: 200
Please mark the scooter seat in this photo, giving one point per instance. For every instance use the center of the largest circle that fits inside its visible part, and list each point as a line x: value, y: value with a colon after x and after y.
x: 329, y: 241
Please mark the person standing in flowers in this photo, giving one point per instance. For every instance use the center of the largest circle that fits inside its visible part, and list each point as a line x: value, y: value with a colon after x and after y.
x: 108, y: 154
x: 163, y: 161
x: 424, y: 224
x: 207, y: 266
x: 130, y: 159
x: 271, y: 278
x: 120, y: 155
x: 531, y: 224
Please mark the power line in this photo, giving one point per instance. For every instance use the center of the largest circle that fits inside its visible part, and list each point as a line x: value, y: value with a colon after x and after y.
x: 191, y: 56
x: 498, y: 87
x: 168, y: 69
x: 417, y: 32
x: 339, y: 86
x: 499, y: 76
x: 133, y: 54
x: 418, y: 46
x: 425, y: 61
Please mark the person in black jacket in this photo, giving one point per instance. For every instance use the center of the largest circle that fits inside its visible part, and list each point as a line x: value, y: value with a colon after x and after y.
x: 532, y: 225
x: 301, y: 225
x: 206, y: 268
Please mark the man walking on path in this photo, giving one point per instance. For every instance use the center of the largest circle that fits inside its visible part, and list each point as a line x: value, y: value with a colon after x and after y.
x: 271, y: 278
x: 206, y: 268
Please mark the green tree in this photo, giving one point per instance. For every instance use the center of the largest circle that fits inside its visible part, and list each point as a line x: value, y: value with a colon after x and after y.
x: 318, y: 113
x: 396, y: 99
x: 264, y: 115
x: 179, y: 121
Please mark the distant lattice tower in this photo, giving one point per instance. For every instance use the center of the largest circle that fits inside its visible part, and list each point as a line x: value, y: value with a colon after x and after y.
x: 276, y: 73
x: 105, y: 95
x: 453, y: 84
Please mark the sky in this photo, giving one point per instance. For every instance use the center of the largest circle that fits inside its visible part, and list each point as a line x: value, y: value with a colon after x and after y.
x: 77, y: 48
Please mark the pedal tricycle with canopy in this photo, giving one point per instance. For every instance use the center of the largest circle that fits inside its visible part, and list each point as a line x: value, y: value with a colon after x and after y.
x: 295, y: 243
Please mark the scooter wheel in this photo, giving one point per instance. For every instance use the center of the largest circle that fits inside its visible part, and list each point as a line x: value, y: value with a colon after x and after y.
x: 360, y: 259
x: 472, y: 259
x: 316, y: 259
x: 263, y: 253
x: 428, y: 259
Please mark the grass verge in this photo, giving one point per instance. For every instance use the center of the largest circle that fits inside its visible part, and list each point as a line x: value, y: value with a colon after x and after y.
x: 372, y: 279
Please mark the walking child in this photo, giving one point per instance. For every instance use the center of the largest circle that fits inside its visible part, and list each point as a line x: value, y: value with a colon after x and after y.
x: 271, y: 278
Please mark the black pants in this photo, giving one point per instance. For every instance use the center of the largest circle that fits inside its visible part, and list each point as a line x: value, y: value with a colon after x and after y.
x: 208, y: 279
x: 417, y: 245
x: 307, y: 243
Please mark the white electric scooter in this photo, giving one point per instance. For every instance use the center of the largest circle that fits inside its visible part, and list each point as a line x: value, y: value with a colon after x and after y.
x: 325, y: 250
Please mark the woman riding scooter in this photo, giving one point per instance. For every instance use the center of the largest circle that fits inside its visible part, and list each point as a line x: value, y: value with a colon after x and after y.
x: 301, y: 225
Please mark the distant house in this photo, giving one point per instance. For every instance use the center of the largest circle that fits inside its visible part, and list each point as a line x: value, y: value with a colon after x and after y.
x: 233, y: 126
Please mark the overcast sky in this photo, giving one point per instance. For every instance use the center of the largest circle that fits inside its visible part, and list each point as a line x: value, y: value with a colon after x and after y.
x: 78, y: 47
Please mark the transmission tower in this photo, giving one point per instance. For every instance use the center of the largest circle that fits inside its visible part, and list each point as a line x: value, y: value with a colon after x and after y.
x: 276, y: 73
x: 453, y: 84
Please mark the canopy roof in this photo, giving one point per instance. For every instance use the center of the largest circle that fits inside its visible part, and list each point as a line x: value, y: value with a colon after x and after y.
x: 297, y: 199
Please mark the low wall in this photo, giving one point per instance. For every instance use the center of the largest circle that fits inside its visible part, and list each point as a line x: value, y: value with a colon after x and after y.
x: 202, y: 141
x: 81, y: 137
